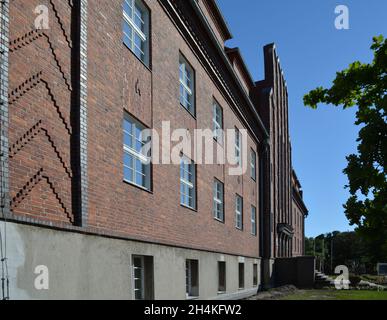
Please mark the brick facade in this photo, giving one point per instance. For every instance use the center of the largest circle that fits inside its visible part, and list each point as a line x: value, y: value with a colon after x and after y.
x: 272, y: 97
x: 69, y: 87
x: 300, y: 212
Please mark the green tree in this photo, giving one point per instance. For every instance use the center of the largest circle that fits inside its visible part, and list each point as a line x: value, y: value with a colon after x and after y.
x: 365, y: 86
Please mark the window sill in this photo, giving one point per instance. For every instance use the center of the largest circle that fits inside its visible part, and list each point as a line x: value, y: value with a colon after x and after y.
x: 142, y: 62
x: 193, y: 115
x: 221, y: 292
x: 219, y: 220
x: 192, y: 298
x: 188, y: 208
x: 219, y: 142
x: 137, y: 186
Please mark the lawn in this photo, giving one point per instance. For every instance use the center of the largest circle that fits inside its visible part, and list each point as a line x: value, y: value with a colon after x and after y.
x: 336, y: 295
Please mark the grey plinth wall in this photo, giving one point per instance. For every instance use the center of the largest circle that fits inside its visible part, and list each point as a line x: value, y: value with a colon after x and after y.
x: 94, y: 267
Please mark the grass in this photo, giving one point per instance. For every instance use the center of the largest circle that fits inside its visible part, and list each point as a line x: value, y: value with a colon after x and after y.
x: 337, y: 295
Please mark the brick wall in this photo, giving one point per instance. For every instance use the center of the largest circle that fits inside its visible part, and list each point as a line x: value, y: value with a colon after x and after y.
x: 115, y: 76
x: 43, y: 131
x: 40, y: 127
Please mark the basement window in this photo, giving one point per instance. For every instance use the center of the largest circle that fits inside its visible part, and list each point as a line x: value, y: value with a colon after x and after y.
x: 221, y: 277
x: 143, y: 282
x: 255, y: 275
x: 192, y: 278
x: 241, y: 276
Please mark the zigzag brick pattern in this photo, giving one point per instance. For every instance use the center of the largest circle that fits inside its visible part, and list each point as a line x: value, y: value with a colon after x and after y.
x: 39, y: 98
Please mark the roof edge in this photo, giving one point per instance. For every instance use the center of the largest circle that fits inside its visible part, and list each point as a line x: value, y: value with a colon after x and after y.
x: 219, y: 18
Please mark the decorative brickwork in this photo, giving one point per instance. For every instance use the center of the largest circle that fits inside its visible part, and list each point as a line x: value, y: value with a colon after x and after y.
x: 40, y: 127
x: 4, y: 114
x: 83, y: 112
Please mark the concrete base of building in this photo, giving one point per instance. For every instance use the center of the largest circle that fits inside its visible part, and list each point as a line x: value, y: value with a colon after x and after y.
x: 268, y: 274
x: 50, y: 264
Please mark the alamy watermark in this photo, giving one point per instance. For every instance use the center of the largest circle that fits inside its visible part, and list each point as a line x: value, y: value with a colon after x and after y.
x: 198, y: 145
x: 42, y: 19
x: 342, y: 19
x: 42, y: 281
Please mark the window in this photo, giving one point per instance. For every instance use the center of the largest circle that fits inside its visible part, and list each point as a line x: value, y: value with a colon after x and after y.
x: 143, y: 277
x: 192, y: 278
x: 239, y: 212
x: 241, y: 276
x: 238, y: 143
x: 187, y: 86
x: 253, y: 220
x: 136, y: 28
x: 136, y: 167
x: 218, y: 200
x: 187, y: 183
x: 253, y: 165
x: 222, y: 276
x: 255, y: 275
x: 217, y: 121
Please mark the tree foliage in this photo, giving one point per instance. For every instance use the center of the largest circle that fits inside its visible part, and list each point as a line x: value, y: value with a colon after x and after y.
x: 365, y: 86
x: 341, y: 248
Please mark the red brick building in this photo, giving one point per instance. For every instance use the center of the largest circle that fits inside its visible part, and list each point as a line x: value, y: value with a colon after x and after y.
x: 300, y: 212
x: 76, y: 197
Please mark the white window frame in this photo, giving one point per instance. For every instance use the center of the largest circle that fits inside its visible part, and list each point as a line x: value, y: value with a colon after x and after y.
x: 142, y: 279
x: 129, y: 18
x: 187, y: 84
x: 131, y: 151
x: 190, y: 184
x: 253, y: 165
x: 216, y: 201
x: 217, y: 124
x: 238, y: 146
x: 253, y: 220
x: 239, y: 212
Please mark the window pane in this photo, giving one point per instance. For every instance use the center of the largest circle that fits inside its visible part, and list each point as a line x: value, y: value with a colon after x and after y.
x: 128, y: 7
x: 128, y: 34
x: 128, y: 174
x: 139, y: 18
x: 128, y: 140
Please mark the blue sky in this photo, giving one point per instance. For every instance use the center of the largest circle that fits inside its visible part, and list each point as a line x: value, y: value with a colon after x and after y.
x: 311, y: 51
